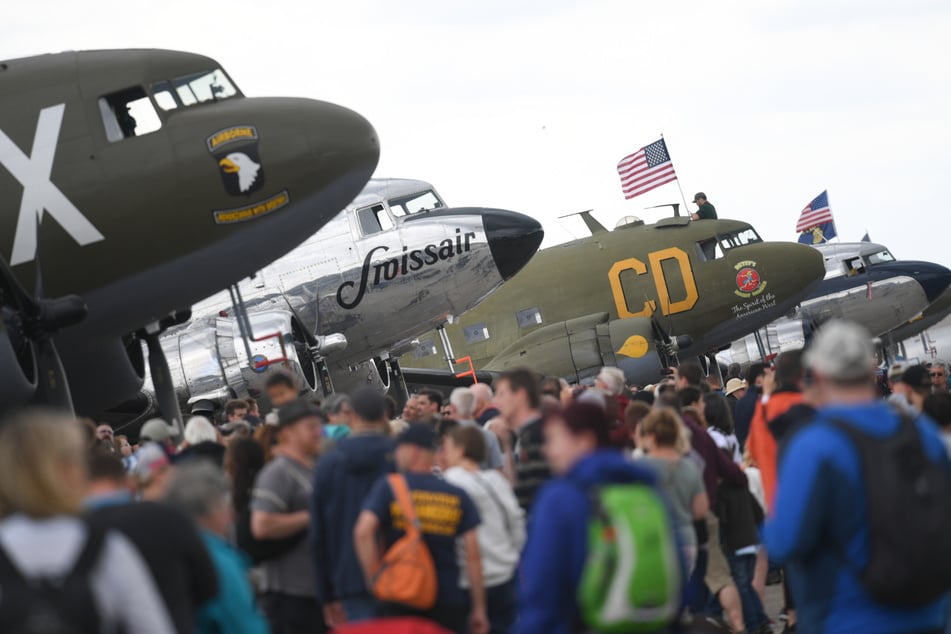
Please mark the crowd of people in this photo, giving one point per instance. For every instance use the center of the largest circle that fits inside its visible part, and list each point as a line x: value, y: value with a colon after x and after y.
x: 291, y: 522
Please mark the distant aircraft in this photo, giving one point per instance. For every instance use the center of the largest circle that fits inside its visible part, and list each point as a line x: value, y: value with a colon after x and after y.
x: 863, y: 283
x: 134, y: 183
x: 338, y: 310
x: 633, y: 297
x: 924, y: 327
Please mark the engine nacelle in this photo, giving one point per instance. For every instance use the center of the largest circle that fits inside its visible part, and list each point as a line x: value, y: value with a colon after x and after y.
x: 17, y: 371
x: 578, y: 348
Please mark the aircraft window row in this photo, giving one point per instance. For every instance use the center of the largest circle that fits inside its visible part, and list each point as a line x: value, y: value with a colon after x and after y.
x: 415, y: 203
x: 128, y: 113
x: 374, y: 220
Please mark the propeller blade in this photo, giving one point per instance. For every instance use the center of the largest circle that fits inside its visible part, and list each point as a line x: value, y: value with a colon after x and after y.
x: 52, y: 388
x: 162, y: 381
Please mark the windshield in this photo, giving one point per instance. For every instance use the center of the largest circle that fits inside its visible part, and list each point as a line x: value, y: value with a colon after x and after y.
x: 880, y: 257
x: 739, y: 238
x: 415, y: 203
x: 195, y: 88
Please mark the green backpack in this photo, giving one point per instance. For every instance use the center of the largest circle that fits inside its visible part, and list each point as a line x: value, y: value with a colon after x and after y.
x: 633, y: 577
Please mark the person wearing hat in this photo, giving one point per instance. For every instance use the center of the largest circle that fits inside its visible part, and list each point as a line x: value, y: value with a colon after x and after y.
x: 445, y: 513
x: 279, y: 506
x: 820, y: 519
x: 705, y: 211
x: 735, y: 390
x: 158, y: 431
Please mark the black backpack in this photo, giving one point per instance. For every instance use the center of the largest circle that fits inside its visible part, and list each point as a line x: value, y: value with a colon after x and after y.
x: 909, y: 516
x: 62, y: 605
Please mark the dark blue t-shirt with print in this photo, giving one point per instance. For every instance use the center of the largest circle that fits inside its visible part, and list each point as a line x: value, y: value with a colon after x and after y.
x: 445, y: 512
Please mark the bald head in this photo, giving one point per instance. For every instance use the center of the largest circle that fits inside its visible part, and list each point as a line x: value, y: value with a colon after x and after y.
x: 483, y: 398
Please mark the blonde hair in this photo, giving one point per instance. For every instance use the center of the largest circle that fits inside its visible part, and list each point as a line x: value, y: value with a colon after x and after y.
x: 667, y: 428
x: 34, y: 447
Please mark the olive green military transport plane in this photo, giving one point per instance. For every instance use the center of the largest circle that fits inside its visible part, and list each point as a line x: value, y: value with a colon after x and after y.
x: 634, y: 297
x: 134, y: 183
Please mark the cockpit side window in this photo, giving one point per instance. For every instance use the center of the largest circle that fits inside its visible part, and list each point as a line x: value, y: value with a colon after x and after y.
x: 738, y: 238
x: 128, y: 113
x: 164, y: 96
x: 854, y: 266
x: 423, y: 201
x: 709, y: 249
x: 194, y: 88
x: 881, y: 257
x: 374, y: 220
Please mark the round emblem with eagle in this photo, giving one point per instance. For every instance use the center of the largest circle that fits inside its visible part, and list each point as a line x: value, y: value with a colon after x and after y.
x: 748, y: 279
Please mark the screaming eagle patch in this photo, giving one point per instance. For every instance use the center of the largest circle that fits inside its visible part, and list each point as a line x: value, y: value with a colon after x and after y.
x: 235, y: 150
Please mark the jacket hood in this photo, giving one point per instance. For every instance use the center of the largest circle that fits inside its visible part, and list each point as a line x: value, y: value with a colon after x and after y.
x: 365, y: 452
x: 609, y: 465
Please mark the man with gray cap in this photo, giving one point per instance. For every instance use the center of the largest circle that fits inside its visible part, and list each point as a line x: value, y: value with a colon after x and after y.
x: 823, y: 525
x: 705, y: 211
x: 279, y: 508
x: 344, y: 476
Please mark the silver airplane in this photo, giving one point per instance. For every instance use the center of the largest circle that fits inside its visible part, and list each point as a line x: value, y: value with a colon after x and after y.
x: 340, y: 309
x: 863, y: 283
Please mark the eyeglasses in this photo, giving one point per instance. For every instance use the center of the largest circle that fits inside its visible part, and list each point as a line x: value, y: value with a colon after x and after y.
x: 939, y: 374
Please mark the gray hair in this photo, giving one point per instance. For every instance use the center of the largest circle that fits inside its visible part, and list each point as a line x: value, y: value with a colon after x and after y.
x: 463, y: 400
x: 613, y: 379
x: 199, y: 430
x: 197, y: 487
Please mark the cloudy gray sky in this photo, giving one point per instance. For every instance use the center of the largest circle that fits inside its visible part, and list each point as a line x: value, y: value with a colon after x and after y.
x: 528, y: 105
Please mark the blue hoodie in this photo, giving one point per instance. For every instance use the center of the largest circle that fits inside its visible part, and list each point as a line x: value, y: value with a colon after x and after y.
x: 820, y: 510
x: 343, y: 478
x: 557, y: 544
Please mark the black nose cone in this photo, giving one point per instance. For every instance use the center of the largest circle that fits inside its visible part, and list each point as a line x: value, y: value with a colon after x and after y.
x: 513, y: 239
x: 933, y: 278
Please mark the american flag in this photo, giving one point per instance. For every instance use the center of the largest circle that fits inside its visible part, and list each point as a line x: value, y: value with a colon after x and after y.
x: 646, y: 169
x: 816, y: 213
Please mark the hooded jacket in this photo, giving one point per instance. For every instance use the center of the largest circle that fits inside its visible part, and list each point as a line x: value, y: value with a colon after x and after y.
x: 343, y: 478
x: 554, y: 555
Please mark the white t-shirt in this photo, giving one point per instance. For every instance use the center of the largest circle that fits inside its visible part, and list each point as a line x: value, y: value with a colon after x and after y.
x: 124, y: 591
x: 501, y: 533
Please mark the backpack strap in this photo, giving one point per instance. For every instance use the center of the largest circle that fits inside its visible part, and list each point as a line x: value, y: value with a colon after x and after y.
x: 498, y: 503
x: 89, y: 556
x: 401, y: 493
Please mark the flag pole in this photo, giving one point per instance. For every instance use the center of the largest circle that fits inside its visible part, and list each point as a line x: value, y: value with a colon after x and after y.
x: 684, y: 198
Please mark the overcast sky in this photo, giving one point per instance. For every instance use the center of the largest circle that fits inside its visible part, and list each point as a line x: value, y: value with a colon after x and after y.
x: 530, y: 105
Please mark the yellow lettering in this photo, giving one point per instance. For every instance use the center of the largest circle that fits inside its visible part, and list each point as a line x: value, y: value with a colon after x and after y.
x: 656, y: 259
x: 620, y: 301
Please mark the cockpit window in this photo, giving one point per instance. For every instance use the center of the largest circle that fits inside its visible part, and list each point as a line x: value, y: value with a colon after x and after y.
x: 881, y: 257
x: 374, y: 220
x: 128, y: 113
x: 188, y: 90
x: 738, y: 238
x: 416, y: 203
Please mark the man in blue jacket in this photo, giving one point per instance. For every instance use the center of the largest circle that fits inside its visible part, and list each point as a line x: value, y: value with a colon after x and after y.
x: 578, y: 447
x: 820, y: 523
x: 344, y: 476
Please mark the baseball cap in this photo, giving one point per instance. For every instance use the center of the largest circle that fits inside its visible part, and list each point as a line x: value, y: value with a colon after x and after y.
x: 156, y: 430
x: 917, y: 376
x: 733, y: 385
x: 895, y: 372
x: 420, y: 434
x: 699, y: 195
x: 841, y: 351
x: 368, y: 404
x: 229, y: 428
x: 296, y: 411
x: 150, y: 459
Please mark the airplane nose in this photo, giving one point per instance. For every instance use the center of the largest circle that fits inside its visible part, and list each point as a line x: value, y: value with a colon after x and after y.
x: 933, y: 278
x: 342, y: 139
x: 513, y: 239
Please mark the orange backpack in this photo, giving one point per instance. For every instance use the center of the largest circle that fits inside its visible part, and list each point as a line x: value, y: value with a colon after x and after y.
x: 407, y: 574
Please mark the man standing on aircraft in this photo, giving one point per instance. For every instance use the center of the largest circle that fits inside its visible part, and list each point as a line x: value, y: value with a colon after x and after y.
x: 705, y: 211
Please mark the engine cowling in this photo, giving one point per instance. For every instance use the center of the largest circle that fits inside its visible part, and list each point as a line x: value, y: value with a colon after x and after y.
x: 578, y: 348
